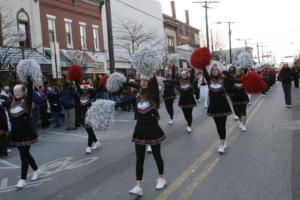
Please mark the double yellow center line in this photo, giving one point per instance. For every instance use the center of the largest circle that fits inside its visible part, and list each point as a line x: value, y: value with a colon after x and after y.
x: 196, y: 164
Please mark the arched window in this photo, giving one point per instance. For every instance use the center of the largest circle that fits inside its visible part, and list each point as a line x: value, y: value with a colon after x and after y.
x: 23, y: 21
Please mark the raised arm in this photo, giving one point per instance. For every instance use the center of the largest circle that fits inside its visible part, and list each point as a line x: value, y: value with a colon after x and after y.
x: 206, y: 75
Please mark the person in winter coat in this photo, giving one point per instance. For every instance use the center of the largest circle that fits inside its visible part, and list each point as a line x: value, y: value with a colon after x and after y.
x: 43, y: 108
x: 55, y: 105
x: 285, y: 77
x: 68, y: 102
x: 4, y: 124
x: 296, y: 72
x: 35, y: 112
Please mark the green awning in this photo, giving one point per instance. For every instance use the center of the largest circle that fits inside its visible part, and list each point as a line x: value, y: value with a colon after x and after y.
x: 64, y: 61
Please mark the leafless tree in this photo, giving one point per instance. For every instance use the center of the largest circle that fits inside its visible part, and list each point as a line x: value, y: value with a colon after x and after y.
x: 216, y: 40
x: 131, y: 36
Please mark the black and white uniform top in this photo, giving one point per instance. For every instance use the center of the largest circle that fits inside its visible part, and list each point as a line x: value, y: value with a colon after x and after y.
x: 238, y: 94
x: 169, y: 89
x: 186, y: 99
x: 22, y: 133
x: 218, y: 103
x: 147, y: 129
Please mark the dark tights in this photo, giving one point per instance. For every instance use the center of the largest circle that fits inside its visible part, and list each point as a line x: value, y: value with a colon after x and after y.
x: 188, y: 115
x: 140, y: 158
x: 221, y: 126
x: 91, y: 136
x: 169, y: 106
x: 26, y: 160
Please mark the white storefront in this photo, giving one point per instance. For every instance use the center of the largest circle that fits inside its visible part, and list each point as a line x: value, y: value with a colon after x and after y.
x: 146, y: 12
x: 24, y: 15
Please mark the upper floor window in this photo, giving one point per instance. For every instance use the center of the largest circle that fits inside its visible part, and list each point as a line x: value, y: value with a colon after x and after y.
x: 96, y: 37
x: 69, y: 36
x: 51, y: 28
x: 83, y: 38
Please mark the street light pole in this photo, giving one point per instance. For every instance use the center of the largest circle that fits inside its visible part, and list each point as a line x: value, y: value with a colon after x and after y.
x: 206, y: 17
x: 230, y: 50
x: 110, y: 37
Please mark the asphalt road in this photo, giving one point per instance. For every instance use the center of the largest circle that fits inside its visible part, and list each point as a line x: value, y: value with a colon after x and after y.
x: 261, y: 164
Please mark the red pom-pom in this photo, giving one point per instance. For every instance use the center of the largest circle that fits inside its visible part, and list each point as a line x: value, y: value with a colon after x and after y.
x: 201, y: 58
x: 253, y: 83
x: 75, y: 73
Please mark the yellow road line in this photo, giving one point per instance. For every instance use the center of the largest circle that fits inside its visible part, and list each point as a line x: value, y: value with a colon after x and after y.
x: 190, y: 170
x: 200, y: 178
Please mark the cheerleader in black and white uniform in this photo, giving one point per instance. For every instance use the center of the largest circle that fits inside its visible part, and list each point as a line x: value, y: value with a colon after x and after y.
x: 22, y: 133
x: 148, y: 132
x: 186, y: 100
x: 169, y: 92
x: 218, y: 107
x: 86, y: 99
x: 239, y: 98
x: 228, y: 87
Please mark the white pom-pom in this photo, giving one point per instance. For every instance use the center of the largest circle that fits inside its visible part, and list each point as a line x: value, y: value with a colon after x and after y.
x: 145, y: 61
x: 215, y: 63
x: 115, y: 82
x: 172, y: 59
x: 29, y: 67
x: 245, y: 60
x: 100, y: 115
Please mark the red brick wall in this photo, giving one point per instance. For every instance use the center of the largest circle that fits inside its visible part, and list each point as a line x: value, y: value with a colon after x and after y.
x: 81, y: 11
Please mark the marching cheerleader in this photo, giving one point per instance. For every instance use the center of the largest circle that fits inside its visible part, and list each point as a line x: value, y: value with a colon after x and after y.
x: 228, y: 87
x: 239, y: 98
x: 85, y: 102
x: 22, y: 133
x: 169, y: 92
x: 148, y: 132
x: 218, y: 106
x: 202, y: 84
x: 186, y: 100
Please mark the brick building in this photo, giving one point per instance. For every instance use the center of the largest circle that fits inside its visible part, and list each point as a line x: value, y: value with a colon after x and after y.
x: 76, y: 27
x: 180, y: 37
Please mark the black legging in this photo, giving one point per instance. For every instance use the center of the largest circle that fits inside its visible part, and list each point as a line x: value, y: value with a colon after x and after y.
x: 140, y: 158
x: 91, y: 136
x: 240, y: 109
x: 234, y: 108
x: 26, y: 160
x: 221, y: 126
x: 169, y: 106
x: 188, y: 115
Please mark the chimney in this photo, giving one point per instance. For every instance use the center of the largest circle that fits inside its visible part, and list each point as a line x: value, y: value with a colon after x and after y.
x: 173, y: 9
x: 187, y: 17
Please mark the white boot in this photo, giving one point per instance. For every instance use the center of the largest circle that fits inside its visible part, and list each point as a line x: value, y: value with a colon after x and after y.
x: 149, y: 150
x: 244, y: 129
x: 21, y: 183
x: 160, y: 183
x: 35, y: 175
x: 189, y: 129
x: 170, y: 122
x: 96, y: 145
x: 88, y: 150
x: 137, y: 190
x: 221, y: 149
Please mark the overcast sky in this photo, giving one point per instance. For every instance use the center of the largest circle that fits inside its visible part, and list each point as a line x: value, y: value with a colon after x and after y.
x: 274, y: 23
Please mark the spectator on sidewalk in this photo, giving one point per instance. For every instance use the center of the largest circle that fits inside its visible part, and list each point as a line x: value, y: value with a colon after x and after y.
x: 43, y: 108
x: 68, y: 103
x: 4, y: 123
x: 296, y: 72
x: 286, y: 76
x: 55, y: 105
x: 35, y: 113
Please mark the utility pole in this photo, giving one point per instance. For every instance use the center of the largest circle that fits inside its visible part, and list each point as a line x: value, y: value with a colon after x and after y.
x: 230, y: 33
x: 110, y: 37
x: 212, y: 43
x: 206, y: 17
x: 257, y: 45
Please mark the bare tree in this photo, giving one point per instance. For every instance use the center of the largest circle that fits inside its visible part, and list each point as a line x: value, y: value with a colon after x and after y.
x: 217, y: 42
x: 131, y: 36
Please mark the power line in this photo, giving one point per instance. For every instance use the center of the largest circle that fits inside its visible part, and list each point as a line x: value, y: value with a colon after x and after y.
x: 141, y: 11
